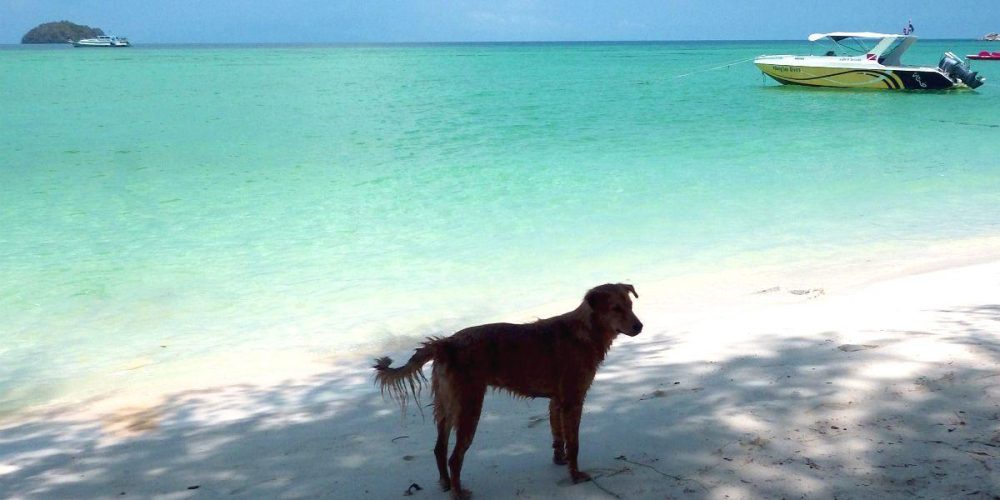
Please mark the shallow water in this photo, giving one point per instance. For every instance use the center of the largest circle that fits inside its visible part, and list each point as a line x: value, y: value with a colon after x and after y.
x: 209, y: 199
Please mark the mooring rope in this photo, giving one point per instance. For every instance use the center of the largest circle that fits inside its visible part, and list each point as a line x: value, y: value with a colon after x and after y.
x: 726, y: 65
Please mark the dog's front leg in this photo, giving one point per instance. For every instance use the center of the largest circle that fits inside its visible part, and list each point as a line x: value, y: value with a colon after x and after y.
x: 571, y: 413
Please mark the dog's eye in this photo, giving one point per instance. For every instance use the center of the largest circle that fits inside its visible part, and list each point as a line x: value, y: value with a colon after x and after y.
x: 618, y: 308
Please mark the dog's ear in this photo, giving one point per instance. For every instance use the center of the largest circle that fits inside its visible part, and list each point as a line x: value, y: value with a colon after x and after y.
x: 629, y: 289
x: 598, y: 300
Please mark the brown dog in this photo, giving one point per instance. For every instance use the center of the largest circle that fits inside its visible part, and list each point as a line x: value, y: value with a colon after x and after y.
x: 554, y: 358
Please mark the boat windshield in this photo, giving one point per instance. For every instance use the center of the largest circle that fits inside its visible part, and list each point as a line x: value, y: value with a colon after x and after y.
x: 891, y: 55
x: 853, y: 45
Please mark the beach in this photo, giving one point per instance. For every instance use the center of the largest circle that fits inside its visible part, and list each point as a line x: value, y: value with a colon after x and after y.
x: 198, y: 273
x: 884, y: 388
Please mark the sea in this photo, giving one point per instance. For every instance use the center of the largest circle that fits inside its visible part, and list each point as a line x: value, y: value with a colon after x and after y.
x: 164, y: 203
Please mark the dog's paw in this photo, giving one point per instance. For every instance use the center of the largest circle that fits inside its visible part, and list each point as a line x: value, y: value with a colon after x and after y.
x: 580, y: 477
x: 461, y: 495
x: 559, y: 460
x: 445, y: 484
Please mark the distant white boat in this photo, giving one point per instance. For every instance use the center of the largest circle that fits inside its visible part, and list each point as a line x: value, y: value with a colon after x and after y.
x: 992, y: 37
x: 103, y: 41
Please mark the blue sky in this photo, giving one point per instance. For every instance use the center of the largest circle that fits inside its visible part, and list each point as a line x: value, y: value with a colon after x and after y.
x: 318, y: 21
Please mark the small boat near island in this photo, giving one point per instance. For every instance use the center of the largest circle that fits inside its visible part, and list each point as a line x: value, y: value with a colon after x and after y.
x: 870, y: 61
x: 102, y: 41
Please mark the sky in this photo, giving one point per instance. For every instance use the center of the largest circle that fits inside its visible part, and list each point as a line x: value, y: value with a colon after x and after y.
x: 371, y: 21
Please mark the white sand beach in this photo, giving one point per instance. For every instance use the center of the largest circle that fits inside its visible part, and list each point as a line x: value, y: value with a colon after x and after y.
x: 883, y: 386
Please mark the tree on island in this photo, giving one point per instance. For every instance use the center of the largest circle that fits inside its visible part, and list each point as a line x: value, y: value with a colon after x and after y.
x: 60, y: 32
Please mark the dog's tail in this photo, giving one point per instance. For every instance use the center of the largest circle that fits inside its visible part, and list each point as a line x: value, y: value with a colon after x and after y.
x: 399, y: 383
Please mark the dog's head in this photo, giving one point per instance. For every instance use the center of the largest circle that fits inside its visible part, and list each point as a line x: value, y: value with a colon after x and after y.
x: 612, y: 307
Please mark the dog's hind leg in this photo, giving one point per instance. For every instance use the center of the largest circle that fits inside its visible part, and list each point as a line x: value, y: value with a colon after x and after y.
x: 470, y: 407
x: 443, y: 416
x: 441, y: 448
x: 558, y: 442
x: 441, y: 453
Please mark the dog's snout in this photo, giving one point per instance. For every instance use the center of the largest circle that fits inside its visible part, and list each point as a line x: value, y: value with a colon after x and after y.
x: 637, y: 327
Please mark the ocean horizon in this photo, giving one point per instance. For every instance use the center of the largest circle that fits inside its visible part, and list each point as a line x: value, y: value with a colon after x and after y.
x: 171, y: 202
x: 161, y: 45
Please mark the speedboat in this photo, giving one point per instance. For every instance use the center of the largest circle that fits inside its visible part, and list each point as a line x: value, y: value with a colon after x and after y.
x: 991, y: 37
x: 868, y: 61
x: 985, y: 56
x: 103, y: 41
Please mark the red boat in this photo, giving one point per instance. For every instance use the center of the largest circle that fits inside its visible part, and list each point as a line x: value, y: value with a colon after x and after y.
x: 985, y: 56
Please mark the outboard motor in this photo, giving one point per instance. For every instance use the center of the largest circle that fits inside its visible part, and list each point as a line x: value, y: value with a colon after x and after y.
x: 957, y: 69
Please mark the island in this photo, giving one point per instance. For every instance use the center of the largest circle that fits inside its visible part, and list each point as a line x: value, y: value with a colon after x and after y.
x: 60, y: 32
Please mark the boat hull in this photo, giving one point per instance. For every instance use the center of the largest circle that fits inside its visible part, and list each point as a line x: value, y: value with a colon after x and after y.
x: 881, y: 78
x: 100, y: 45
x: 102, y: 41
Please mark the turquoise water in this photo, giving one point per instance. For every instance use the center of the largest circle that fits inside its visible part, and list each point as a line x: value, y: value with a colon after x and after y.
x: 210, y: 199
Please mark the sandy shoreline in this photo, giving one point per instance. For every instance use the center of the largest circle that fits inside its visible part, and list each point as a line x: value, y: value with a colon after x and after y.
x: 146, y: 379
x: 883, y: 387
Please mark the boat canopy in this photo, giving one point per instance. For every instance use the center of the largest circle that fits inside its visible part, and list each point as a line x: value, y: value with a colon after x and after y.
x: 840, y: 35
x: 887, y: 50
